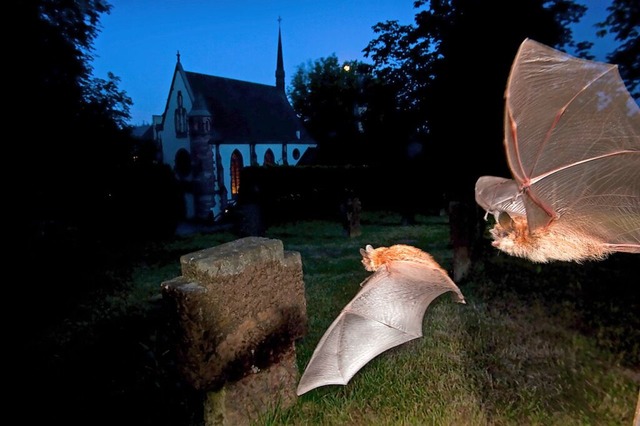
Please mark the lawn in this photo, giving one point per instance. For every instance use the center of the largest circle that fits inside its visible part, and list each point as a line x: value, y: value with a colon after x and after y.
x: 535, y: 344
x: 522, y: 351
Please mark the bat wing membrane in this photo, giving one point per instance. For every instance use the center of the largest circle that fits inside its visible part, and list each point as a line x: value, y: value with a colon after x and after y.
x: 387, y: 312
x: 496, y: 194
x: 572, y: 137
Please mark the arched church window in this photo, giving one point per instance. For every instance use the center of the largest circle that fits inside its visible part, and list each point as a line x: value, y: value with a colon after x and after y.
x: 236, y: 166
x: 183, y: 163
x: 269, y: 158
x: 180, y: 117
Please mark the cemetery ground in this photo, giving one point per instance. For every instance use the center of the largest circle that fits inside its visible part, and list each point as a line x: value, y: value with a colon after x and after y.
x: 535, y: 344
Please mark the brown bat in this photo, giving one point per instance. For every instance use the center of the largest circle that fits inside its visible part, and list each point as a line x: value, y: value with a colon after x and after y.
x: 386, y: 312
x: 572, y: 138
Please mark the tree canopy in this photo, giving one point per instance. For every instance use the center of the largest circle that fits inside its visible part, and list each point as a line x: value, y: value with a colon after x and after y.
x: 74, y: 124
x: 80, y: 189
x: 452, y: 67
x: 346, y: 109
x: 624, y: 22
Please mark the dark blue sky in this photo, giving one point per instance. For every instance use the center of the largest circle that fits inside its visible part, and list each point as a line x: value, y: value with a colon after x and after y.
x: 238, y: 39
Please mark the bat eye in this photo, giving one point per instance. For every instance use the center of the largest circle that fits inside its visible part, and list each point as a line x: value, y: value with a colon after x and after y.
x: 505, y: 220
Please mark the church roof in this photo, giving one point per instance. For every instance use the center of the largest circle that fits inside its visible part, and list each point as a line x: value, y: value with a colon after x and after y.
x: 243, y: 111
x: 144, y: 131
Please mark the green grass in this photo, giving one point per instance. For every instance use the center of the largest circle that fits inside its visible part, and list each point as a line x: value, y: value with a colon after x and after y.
x: 534, y: 345
x: 501, y: 359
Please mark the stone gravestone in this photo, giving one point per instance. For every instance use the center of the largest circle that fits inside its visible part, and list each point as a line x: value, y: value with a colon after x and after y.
x: 354, y: 208
x: 239, y: 308
x: 459, y: 214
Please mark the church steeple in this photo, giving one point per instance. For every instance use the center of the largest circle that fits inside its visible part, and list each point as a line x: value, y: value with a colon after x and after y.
x: 280, y: 63
x: 178, y: 63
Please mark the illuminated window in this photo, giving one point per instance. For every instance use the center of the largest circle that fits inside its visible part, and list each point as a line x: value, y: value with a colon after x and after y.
x: 236, y: 166
x: 269, y: 158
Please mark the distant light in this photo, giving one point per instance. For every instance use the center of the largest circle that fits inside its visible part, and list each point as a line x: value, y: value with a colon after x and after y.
x: 346, y: 68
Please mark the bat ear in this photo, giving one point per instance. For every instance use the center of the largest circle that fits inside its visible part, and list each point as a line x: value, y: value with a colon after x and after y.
x: 368, y: 258
x: 505, y: 220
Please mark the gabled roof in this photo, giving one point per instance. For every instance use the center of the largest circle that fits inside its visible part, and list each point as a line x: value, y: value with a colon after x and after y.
x: 247, y: 112
x: 143, y: 131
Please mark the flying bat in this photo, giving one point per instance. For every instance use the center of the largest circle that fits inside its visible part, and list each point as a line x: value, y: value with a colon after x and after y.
x: 572, y: 139
x: 387, y: 312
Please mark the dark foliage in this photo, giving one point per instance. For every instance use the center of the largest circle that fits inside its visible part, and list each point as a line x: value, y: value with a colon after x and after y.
x: 276, y: 195
x: 453, y: 72
x: 122, y: 371
x: 350, y: 113
x: 83, y: 186
x: 624, y: 22
x: 145, y: 202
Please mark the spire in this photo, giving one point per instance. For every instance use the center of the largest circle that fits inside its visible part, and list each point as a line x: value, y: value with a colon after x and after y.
x: 178, y: 64
x: 280, y: 63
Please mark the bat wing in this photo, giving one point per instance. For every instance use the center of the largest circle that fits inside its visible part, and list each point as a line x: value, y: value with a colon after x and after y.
x: 572, y: 138
x: 386, y: 312
x: 496, y: 194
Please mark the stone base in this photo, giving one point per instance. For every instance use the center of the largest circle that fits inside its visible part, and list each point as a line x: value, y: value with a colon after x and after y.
x: 244, y: 401
x: 237, y: 305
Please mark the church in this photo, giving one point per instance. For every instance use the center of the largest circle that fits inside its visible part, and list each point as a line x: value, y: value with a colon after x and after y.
x: 213, y: 126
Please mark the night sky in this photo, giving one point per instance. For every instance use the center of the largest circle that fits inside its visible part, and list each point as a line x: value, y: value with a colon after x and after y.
x: 139, y: 40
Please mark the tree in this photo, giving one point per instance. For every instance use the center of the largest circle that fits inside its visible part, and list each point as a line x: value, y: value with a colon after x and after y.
x: 452, y: 85
x: 73, y: 125
x: 58, y: 42
x: 452, y: 71
x: 105, y: 98
x: 324, y: 93
x: 624, y: 21
x: 79, y: 190
x: 345, y: 109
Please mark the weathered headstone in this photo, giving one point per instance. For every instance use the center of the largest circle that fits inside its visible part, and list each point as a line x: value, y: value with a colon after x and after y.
x: 239, y: 308
x: 354, y: 208
x: 460, y: 239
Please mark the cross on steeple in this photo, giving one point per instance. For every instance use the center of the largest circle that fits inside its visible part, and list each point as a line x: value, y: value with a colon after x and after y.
x: 178, y: 56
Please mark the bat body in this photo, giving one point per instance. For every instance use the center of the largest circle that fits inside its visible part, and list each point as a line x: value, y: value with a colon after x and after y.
x: 572, y: 139
x: 387, y: 311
